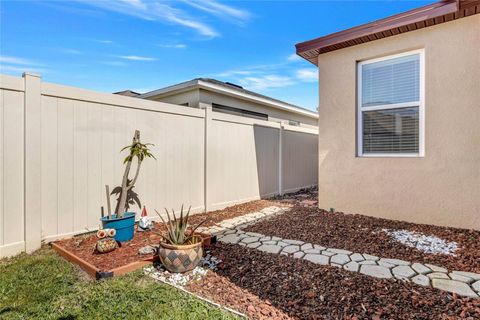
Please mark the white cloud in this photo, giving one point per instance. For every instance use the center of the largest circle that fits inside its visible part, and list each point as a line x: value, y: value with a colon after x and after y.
x: 173, y: 45
x: 294, y: 57
x: 104, y: 41
x: 137, y: 58
x: 20, y: 69
x: 266, y: 82
x: 155, y: 11
x: 71, y: 51
x: 15, y: 60
x: 307, y: 75
x: 219, y: 9
x: 115, y: 63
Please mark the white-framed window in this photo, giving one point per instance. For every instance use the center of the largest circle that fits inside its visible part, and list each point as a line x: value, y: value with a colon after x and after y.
x: 391, y: 111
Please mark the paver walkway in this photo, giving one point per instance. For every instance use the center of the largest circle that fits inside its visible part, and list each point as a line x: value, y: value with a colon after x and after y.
x: 230, y: 231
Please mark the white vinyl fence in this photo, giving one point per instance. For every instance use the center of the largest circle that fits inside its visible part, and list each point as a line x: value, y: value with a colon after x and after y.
x: 59, y: 147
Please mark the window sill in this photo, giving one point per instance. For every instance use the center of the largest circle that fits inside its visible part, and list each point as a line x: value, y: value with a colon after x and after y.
x: 390, y: 155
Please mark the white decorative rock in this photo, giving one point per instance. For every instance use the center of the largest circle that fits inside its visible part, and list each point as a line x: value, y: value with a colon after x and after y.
x: 422, y: 280
x: 474, y: 276
x: 403, y: 271
x: 420, y: 268
x: 340, y: 259
x: 352, y: 266
x: 357, y: 257
x: 316, y: 258
x: 376, y: 271
x: 457, y: 287
x: 436, y: 268
x: 270, y: 248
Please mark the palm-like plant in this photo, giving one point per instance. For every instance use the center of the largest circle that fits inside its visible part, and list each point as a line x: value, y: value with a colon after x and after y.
x: 140, y: 151
x: 177, y: 227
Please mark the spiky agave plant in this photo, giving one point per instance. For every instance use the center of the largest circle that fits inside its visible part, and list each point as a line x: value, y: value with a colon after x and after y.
x: 177, y: 227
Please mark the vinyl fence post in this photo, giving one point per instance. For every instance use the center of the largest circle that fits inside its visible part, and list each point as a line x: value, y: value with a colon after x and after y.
x: 208, y: 133
x: 280, y: 160
x: 32, y: 162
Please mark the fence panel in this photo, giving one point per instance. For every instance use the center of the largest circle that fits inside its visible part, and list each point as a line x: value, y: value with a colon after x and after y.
x: 12, y: 237
x: 61, y: 145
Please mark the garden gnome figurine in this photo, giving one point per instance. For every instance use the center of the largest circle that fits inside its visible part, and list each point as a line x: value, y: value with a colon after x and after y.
x: 144, y: 224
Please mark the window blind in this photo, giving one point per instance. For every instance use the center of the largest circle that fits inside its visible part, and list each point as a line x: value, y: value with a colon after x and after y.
x: 391, y: 131
x: 391, y: 81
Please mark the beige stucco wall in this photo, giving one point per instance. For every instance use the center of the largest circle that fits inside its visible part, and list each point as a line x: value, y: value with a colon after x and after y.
x: 442, y: 188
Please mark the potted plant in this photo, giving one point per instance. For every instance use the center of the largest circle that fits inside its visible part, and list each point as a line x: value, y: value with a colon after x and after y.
x: 181, y: 250
x: 123, y: 220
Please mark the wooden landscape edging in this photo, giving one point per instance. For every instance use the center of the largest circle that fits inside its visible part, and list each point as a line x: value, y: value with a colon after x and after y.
x: 98, y: 274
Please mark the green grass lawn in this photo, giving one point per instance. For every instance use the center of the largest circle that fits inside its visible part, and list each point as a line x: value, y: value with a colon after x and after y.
x: 44, y: 286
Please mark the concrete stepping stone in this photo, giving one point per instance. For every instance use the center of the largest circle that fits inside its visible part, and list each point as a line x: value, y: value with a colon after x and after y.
x: 249, y: 240
x: 368, y: 262
x: 316, y: 258
x: 270, y: 248
x: 436, y: 268
x: 422, y: 280
x: 420, y: 268
x: 254, y: 245
x: 403, y: 271
x: 298, y: 255
x: 334, y: 250
x: 376, y: 271
x: 297, y: 242
x: 453, y: 286
x: 370, y: 257
x: 474, y: 276
x: 476, y: 286
x: 437, y: 275
x: 328, y: 253
x: 313, y: 250
x: 457, y: 277
x: 395, y: 262
x: 340, y: 259
x: 291, y: 249
x: 230, y: 238
x: 352, y: 266
x: 306, y: 246
x: 357, y: 257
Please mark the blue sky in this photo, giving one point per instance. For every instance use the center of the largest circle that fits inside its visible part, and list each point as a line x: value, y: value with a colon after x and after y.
x: 144, y: 45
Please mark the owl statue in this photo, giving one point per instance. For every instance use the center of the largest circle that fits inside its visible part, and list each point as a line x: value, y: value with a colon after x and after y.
x: 106, y: 241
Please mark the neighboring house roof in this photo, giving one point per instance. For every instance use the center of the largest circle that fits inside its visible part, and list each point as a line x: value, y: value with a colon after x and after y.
x: 128, y: 93
x: 229, y: 89
x: 418, y: 18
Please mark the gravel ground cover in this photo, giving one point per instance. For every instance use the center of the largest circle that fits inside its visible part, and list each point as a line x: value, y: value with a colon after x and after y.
x: 83, y: 246
x: 365, y: 234
x: 269, y: 286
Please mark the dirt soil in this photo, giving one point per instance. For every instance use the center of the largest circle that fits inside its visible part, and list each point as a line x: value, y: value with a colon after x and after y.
x: 268, y: 286
x: 359, y: 233
x: 84, y: 246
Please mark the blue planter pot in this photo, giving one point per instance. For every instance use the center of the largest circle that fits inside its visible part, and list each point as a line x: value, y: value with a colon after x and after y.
x: 124, y: 226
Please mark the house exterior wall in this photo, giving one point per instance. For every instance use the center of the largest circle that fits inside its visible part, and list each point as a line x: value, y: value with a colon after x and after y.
x: 441, y: 188
x: 192, y: 97
x: 273, y: 113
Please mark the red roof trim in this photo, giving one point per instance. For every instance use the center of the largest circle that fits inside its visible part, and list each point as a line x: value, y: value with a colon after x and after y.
x: 425, y: 16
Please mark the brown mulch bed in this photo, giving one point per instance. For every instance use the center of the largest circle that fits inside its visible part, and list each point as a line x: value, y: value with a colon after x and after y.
x: 363, y: 234
x: 268, y: 286
x: 83, y: 246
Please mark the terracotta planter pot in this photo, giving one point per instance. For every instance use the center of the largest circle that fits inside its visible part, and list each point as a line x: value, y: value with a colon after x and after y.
x: 180, y: 258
